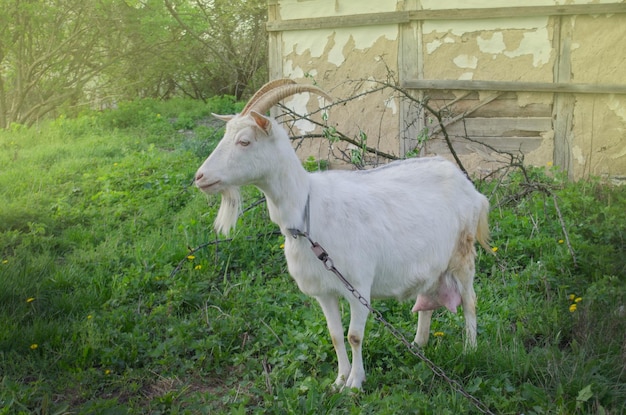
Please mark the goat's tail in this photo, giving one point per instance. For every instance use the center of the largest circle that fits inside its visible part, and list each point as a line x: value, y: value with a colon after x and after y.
x: 482, y: 230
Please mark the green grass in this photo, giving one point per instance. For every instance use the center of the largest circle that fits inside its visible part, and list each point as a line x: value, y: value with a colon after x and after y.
x: 97, y: 212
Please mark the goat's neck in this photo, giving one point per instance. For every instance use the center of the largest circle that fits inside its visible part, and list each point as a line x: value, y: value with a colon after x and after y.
x: 287, y: 191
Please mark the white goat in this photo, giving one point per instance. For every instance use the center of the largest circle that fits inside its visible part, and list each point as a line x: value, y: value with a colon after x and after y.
x: 404, y: 230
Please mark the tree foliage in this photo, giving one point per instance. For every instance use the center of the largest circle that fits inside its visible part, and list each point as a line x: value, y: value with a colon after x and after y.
x: 228, y: 41
x: 59, y: 55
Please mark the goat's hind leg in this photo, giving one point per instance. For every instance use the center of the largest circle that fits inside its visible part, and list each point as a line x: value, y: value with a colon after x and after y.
x: 468, y: 300
x: 463, y: 269
x: 330, y: 307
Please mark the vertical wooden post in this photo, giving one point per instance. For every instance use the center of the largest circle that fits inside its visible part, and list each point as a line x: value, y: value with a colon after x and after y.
x: 275, y: 48
x: 410, y: 66
x: 275, y: 42
x: 563, y: 108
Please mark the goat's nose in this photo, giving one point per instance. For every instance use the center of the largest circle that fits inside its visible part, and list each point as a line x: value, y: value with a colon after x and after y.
x: 199, y: 176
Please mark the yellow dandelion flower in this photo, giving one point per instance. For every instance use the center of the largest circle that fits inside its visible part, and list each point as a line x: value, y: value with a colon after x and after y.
x: 578, y: 299
x: 438, y: 334
x: 494, y: 249
x: 572, y: 297
x: 89, y: 317
x: 282, y: 246
x: 572, y: 308
x: 191, y: 257
x: 5, y: 261
x: 561, y: 241
x: 107, y: 371
x: 549, y: 164
x: 30, y: 299
x: 198, y: 267
x: 34, y: 346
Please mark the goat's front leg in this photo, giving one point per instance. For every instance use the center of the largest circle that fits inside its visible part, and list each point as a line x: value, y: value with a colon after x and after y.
x: 356, y: 335
x: 330, y: 307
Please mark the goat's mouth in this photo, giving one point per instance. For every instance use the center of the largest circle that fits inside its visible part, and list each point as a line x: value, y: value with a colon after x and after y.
x: 208, y: 187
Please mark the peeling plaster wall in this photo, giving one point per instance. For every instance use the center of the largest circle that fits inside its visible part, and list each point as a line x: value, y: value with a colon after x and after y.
x: 493, y: 50
x: 526, y: 49
x: 341, y: 61
x: 599, y: 130
x: 501, y: 50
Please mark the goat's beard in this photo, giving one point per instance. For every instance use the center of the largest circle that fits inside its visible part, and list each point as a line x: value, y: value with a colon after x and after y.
x: 229, y: 211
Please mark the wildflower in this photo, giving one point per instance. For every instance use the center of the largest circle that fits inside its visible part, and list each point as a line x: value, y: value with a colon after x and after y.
x: 572, y: 297
x: 191, y: 257
x: 549, y: 164
x: 282, y: 246
x: 198, y: 267
x: 34, y: 346
x: 578, y: 299
x: 5, y: 261
x: 494, y: 249
x: 561, y: 241
x: 114, y: 164
x: 107, y: 371
x: 572, y: 308
x: 438, y: 334
x: 30, y: 299
x: 89, y: 317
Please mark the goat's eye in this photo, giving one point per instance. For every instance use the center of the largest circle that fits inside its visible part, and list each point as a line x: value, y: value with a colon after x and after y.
x: 243, y: 143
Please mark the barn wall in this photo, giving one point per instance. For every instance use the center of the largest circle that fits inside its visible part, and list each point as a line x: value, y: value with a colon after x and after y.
x: 334, y: 58
x: 495, y: 63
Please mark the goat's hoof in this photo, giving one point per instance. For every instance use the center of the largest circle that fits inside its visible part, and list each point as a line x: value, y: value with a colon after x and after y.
x: 354, y: 385
x: 339, y: 384
x: 419, y: 345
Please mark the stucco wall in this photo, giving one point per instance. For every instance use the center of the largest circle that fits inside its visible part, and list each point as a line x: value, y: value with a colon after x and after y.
x: 583, y: 132
x: 337, y: 59
x: 599, y: 121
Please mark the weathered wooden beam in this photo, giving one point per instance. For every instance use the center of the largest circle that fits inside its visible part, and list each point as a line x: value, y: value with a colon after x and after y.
x: 515, y: 86
x: 522, y: 11
x: 332, y: 22
x: 405, y: 16
x: 564, y: 104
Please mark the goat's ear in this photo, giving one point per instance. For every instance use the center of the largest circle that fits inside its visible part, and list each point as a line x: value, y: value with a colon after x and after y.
x: 225, y: 118
x: 261, y: 121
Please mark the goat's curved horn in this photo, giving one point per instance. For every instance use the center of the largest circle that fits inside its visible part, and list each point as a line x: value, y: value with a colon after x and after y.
x: 265, y: 89
x: 268, y: 100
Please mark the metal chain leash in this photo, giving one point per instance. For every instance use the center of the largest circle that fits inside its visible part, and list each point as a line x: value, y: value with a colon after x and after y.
x: 323, y: 256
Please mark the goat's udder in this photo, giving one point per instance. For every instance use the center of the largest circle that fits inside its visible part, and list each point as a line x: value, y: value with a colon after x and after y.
x: 448, y: 297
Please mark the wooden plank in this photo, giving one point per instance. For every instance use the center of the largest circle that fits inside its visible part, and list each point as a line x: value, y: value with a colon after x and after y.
x: 333, y: 22
x: 501, y: 107
x: 514, y: 86
x: 500, y: 127
x: 523, y: 11
x: 462, y: 146
x: 459, y: 117
x: 404, y: 16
